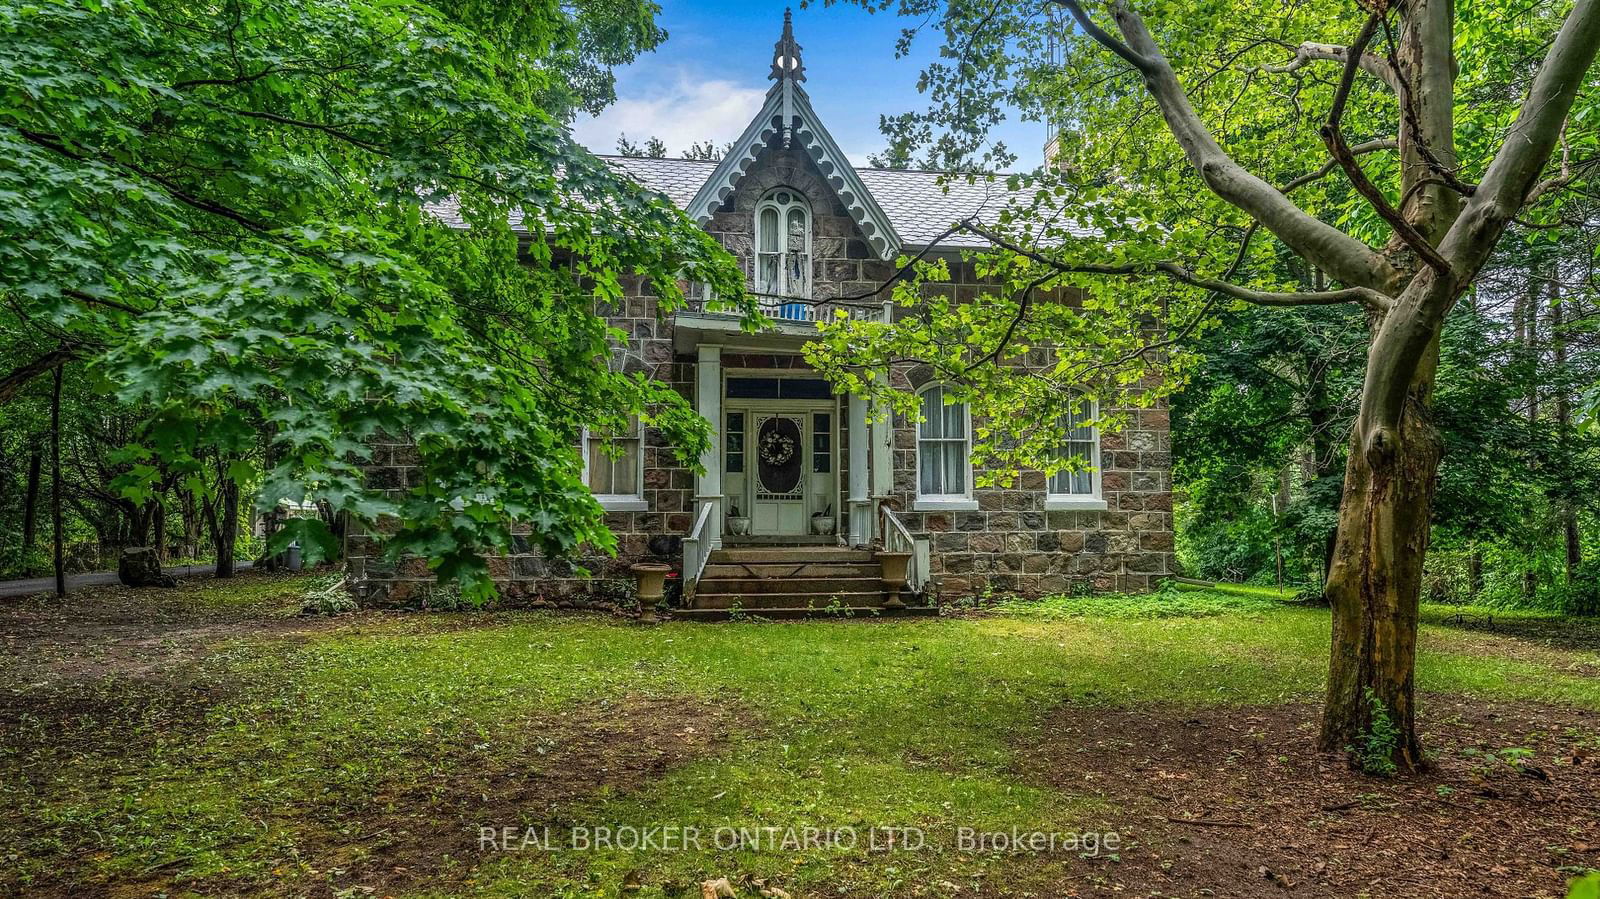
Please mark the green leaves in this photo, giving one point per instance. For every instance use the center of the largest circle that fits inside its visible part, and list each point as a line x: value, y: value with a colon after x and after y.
x: 240, y: 219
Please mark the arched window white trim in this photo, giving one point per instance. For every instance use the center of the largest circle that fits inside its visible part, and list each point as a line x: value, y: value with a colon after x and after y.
x: 1078, y: 488
x: 613, y: 469
x: 944, y: 453
x: 783, y: 245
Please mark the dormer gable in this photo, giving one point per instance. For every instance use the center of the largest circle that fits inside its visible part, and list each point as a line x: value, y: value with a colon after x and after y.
x: 787, y: 118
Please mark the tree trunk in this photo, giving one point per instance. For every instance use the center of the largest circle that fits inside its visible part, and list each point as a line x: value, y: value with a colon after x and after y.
x: 1527, y: 316
x: 191, y: 524
x: 227, y: 530
x: 30, y: 507
x: 60, y: 555
x: 1375, y: 585
x: 1563, y: 402
x: 158, y: 519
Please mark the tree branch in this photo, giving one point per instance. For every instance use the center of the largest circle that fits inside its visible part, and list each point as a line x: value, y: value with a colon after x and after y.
x: 1310, y: 51
x: 1361, y: 149
x: 1333, y: 136
x: 1335, y: 252
x: 1570, y: 172
x: 1022, y: 312
x: 15, y: 379
x: 1511, y: 176
x: 1366, y: 296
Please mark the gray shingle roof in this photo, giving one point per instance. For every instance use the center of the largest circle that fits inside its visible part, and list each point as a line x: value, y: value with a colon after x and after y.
x: 918, y: 205
x: 679, y: 179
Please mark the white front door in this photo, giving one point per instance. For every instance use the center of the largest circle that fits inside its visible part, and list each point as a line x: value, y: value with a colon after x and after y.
x: 780, y: 450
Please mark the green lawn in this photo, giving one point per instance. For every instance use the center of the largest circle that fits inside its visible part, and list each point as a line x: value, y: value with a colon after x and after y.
x: 274, y: 765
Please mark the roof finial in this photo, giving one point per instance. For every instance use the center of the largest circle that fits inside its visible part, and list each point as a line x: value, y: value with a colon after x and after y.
x: 787, y: 70
x: 786, y: 53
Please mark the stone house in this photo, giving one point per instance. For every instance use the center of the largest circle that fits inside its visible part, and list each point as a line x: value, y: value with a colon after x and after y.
x: 800, y: 481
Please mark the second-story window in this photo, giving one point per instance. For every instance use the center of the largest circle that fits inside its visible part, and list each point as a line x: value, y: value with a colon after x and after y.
x: 783, y: 245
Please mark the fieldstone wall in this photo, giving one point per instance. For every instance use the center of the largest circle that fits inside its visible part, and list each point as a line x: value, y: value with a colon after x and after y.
x: 526, y: 578
x: 1010, y: 543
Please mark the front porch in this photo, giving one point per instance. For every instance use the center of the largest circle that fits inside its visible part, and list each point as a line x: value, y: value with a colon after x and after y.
x: 794, y: 480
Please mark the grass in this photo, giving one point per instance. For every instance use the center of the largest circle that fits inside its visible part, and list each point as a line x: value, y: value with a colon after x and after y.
x: 1255, y: 591
x: 843, y: 724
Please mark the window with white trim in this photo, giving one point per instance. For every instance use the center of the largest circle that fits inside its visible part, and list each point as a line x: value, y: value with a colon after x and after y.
x: 783, y: 244
x: 612, y: 469
x: 1081, y: 482
x: 944, y: 452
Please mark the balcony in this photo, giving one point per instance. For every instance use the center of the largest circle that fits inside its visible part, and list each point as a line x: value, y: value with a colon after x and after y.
x: 793, y: 319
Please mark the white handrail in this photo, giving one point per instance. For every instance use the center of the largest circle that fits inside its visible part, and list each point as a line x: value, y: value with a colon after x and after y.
x: 695, y: 550
x: 897, y: 539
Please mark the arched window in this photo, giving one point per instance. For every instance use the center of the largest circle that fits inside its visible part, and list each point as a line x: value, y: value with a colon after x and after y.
x: 783, y: 246
x: 944, y: 455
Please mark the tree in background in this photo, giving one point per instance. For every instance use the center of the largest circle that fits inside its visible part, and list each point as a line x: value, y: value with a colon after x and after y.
x: 1203, y: 153
x: 230, y: 216
x: 656, y: 148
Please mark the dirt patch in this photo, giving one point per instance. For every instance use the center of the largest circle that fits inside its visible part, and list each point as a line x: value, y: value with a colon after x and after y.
x: 1554, y: 632
x: 420, y: 827
x: 427, y: 830
x: 1234, y: 802
x: 112, y: 631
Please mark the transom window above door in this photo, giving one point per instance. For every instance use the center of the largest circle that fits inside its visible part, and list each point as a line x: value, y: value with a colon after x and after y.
x: 783, y: 252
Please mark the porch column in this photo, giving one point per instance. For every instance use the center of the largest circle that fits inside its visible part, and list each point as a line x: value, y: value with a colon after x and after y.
x: 708, y: 401
x: 860, y: 477
x: 882, y: 454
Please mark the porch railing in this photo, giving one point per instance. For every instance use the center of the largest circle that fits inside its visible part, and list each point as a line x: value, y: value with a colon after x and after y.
x: 784, y: 308
x: 897, y: 539
x: 697, y: 549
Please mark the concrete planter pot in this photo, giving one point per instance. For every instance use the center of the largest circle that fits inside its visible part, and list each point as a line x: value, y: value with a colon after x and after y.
x: 738, y: 525
x: 895, y: 566
x: 823, y: 525
x: 651, y: 578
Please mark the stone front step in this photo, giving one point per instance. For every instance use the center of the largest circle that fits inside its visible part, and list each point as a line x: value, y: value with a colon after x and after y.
x: 791, y: 600
x: 788, y: 582
x: 825, y: 586
x: 785, y: 570
x: 799, y: 612
x: 731, y: 541
x: 774, y: 554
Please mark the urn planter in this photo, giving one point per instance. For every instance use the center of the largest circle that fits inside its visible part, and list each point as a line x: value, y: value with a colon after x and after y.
x: 894, y: 565
x: 651, y: 578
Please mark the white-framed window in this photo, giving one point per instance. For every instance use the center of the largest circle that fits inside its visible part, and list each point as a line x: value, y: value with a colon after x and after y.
x: 613, y: 469
x: 1078, y: 487
x: 944, y: 453
x: 783, y: 245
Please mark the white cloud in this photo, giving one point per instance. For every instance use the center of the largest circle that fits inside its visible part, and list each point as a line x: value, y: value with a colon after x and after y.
x: 681, y: 111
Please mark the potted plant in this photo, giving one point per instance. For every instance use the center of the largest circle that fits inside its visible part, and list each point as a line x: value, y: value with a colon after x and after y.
x: 823, y: 523
x: 738, y: 525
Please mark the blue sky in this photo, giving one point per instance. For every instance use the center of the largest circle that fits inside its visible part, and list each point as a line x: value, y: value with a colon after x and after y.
x: 708, y: 79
